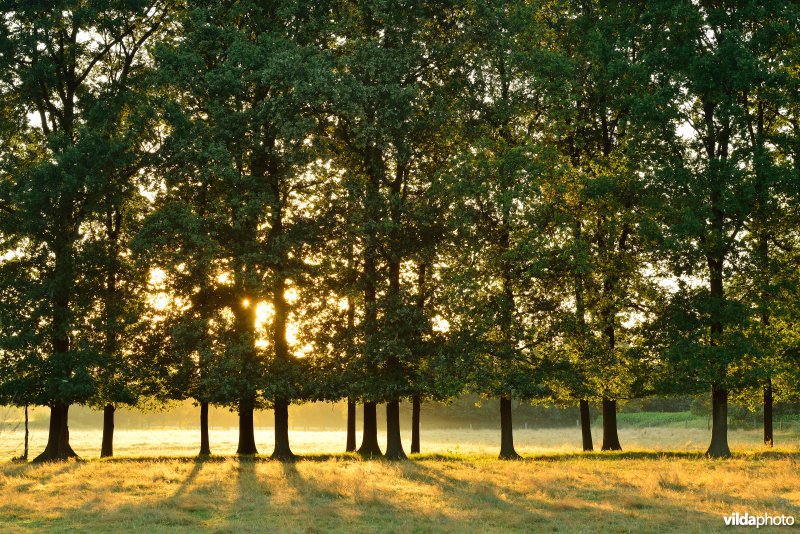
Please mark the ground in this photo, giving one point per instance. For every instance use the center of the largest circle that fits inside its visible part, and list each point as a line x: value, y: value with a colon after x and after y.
x: 661, y: 483
x: 556, y: 492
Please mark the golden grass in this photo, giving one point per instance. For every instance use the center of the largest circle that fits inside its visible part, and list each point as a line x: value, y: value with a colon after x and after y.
x: 554, y: 492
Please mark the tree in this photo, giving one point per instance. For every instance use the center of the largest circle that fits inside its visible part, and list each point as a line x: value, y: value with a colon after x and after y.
x: 68, y: 62
x: 706, y: 58
x: 497, y: 305
x: 388, y: 74
x: 247, y: 85
x: 604, y: 202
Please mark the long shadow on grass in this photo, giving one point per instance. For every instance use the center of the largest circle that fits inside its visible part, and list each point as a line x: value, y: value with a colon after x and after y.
x: 34, y: 472
x: 556, y: 500
x: 355, y: 502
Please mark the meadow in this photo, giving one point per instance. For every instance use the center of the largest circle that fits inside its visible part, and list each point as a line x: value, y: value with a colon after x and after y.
x: 554, y: 492
x: 661, y: 483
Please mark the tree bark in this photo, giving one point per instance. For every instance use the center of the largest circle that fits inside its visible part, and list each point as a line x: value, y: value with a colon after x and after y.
x: 415, y: 410
x: 351, y: 426
x: 586, y: 426
x: 282, y: 450
x: 58, y: 447
x: 768, y: 434
x: 369, y: 441
x: 394, y: 442
x: 107, y: 449
x: 205, y: 444
x: 610, y: 436
x: 27, y: 434
x: 719, y: 424
x: 247, y: 437
x: 507, y: 451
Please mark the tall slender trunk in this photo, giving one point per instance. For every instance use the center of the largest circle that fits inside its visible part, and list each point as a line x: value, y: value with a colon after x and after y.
x: 107, y: 449
x: 719, y: 424
x: 768, y: 435
x: 415, y: 399
x: 27, y: 434
x: 205, y: 444
x: 507, y: 451
x: 245, y: 329
x: 716, y: 149
x: 247, y: 436
x: 351, y: 426
x: 610, y: 436
x: 111, y: 311
x: 718, y: 448
x: 369, y: 440
x: 586, y: 426
x: 282, y: 450
x: 415, y: 409
x: 58, y: 447
x: 762, y: 224
x: 394, y: 442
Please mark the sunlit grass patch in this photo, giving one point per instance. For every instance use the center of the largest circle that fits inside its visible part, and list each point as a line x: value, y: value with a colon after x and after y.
x: 430, y: 493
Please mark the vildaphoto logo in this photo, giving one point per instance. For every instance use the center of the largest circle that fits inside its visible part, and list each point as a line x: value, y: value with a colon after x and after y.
x: 746, y: 520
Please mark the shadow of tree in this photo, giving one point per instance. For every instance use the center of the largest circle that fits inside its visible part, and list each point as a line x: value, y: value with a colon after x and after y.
x: 321, y: 493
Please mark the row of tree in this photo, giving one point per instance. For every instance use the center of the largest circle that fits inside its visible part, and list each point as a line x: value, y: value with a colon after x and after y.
x: 251, y: 204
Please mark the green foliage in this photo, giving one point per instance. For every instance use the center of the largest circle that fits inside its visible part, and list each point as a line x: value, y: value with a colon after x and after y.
x: 235, y: 202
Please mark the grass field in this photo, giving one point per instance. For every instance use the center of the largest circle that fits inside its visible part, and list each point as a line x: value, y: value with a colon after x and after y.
x: 458, y: 486
x: 185, y: 442
x: 556, y: 492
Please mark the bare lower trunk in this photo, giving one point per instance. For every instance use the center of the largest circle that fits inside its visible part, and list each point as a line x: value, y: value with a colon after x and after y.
x: 282, y: 450
x: 719, y: 429
x: 507, y: 451
x: 351, y: 426
x: 58, y: 437
x: 107, y: 449
x: 247, y: 437
x: 27, y: 434
x: 205, y: 444
x: 610, y: 435
x: 415, y: 409
x: 586, y: 426
x: 769, y: 440
x: 394, y: 442
x: 369, y: 441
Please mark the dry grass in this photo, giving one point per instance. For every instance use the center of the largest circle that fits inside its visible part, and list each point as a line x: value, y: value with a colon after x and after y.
x: 459, y: 488
x: 629, y: 492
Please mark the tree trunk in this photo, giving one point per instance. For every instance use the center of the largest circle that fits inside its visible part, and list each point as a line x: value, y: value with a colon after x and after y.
x: 768, y: 435
x: 107, y: 449
x: 369, y: 441
x: 27, y: 434
x: 507, y: 451
x: 719, y: 429
x: 282, y: 450
x: 351, y: 426
x: 415, y: 409
x: 610, y: 436
x: 394, y: 442
x: 205, y: 444
x: 58, y: 437
x: 586, y: 426
x: 247, y: 437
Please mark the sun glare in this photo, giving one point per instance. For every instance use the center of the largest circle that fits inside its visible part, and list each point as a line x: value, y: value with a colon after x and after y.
x: 157, y: 276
